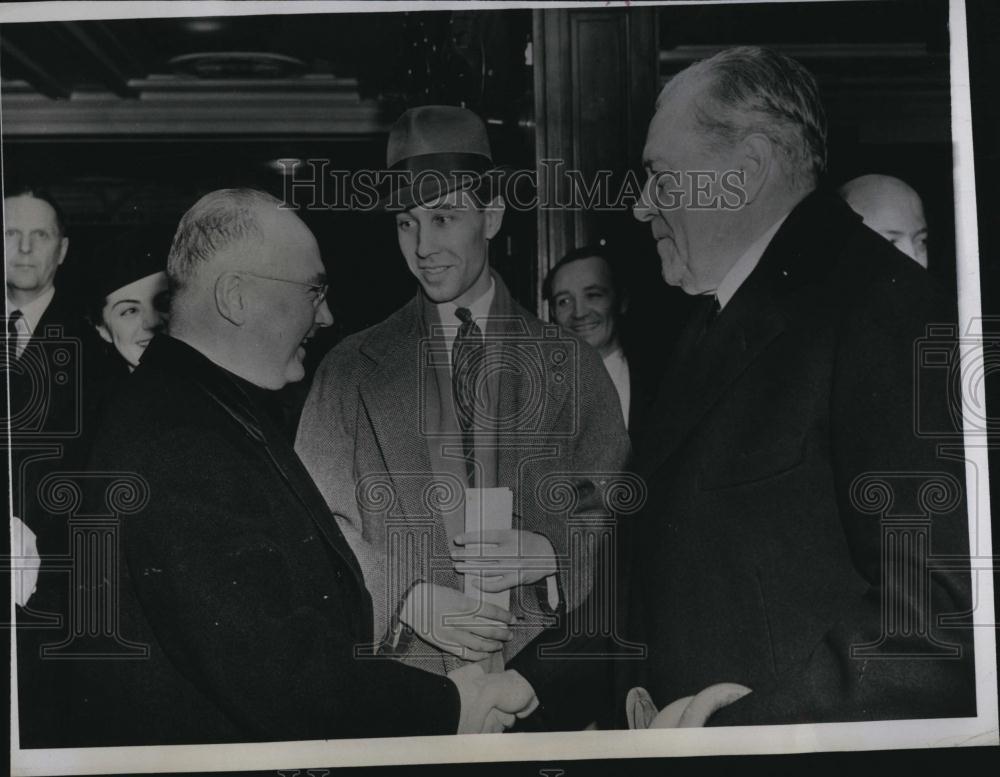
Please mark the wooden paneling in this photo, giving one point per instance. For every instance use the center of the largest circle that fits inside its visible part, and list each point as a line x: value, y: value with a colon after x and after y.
x: 595, y: 84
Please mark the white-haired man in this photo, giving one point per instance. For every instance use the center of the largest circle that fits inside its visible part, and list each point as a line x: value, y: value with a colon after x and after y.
x: 763, y: 557
x: 234, y: 573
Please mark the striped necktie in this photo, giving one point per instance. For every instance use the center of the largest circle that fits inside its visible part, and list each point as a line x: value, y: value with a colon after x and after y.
x: 10, y: 345
x: 466, y: 364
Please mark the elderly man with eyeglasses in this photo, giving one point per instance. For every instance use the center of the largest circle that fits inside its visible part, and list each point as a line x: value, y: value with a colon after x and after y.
x: 234, y: 573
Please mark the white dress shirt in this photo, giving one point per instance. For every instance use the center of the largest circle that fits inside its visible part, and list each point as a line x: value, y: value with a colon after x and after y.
x: 31, y: 314
x: 480, y: 310
x: 617, y: 366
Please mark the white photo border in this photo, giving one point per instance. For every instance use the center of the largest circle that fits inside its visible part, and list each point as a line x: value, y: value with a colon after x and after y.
x: 568, y: 746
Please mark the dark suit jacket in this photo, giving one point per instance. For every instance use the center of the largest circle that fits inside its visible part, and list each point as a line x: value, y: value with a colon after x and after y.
x: 763, y: 554
x: 235, y: 574
x: 55, y: 386
x: 643, y: 381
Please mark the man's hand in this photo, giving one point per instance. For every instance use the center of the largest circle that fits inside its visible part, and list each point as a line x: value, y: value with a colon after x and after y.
x: 448, y: 619
x: 491, y: 702
x: 694, y: 711
x: 24, y: 548
x: 500, y: 560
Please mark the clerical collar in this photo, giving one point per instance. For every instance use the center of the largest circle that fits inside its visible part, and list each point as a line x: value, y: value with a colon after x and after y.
x: 267, y: 400
x: 745, y: 265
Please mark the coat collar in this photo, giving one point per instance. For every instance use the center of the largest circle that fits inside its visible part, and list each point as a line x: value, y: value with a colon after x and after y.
x: 399, y: 348
x: 224, y: 390
x: 385, y: 341
x: 801, y: 253
x: 395, y: 390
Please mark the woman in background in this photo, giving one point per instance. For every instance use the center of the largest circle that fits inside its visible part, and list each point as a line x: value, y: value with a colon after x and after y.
x: 128, y: 299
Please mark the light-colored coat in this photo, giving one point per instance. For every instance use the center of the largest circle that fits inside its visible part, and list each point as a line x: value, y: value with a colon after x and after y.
x: 363, y: 436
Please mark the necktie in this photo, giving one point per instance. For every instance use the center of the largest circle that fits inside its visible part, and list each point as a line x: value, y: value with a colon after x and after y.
x: 466, y: 365
x: 705, y: 313
x: 714, y: 309
x: 10, y: 344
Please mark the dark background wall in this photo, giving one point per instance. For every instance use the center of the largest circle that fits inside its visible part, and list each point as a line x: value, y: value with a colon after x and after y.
x: 130, y: 120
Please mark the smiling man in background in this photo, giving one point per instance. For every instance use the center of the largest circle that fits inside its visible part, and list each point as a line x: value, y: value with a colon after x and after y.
x: 587, y: 298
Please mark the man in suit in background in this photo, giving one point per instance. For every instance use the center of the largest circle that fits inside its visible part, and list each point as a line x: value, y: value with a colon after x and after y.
x: 763, y: 557
x: 233, y: 573
x: 50, y: 351
x: 461, y: 388
x: 586, y: 296
x: 52, y: 365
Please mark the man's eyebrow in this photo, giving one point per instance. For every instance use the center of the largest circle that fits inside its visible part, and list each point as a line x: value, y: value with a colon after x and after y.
x: 319, y: 278
x: 595, y: 287
x: 125, y: 302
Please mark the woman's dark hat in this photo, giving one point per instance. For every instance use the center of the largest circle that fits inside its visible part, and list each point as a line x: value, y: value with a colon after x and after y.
x: 127, y: 258
x: 434, y: 150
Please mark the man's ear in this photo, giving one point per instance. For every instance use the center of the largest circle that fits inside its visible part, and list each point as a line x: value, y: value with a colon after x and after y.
x: 229, y: 299
x: 756, y: 162
x: 63, y: 248
x: 494, y: 216
x: 103, y: 331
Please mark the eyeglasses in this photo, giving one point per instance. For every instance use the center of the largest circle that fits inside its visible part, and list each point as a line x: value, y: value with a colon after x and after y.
x: 319, y: 290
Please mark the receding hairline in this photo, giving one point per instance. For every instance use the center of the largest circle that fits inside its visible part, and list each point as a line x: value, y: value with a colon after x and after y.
x: 243, y: 211
x: 28, y: 195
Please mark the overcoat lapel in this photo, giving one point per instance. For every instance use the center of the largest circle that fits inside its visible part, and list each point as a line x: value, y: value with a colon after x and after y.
x: 387, y: 394
x: 748, y: 324
x: 736, y: 340
x: 511, y: 326
x: 237, y: 405
x: 751, y: 321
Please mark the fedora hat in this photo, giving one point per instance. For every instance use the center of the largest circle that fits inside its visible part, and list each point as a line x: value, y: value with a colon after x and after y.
x: 434, y: 150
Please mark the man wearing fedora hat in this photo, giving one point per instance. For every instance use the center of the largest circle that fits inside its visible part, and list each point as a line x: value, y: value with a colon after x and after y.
x: 461, y: 389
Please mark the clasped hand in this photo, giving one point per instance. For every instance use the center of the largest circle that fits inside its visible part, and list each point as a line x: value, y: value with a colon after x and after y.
x: 501, y: 560
x: 495, y: 561
x: 490, y: 703
x: 463, y: 626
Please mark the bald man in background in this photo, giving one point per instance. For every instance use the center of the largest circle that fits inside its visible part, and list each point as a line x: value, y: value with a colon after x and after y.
x: 893, y: 209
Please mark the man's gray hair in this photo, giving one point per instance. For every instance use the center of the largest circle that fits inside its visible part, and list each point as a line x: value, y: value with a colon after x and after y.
x: 217, y: 221
x: 756, y: 90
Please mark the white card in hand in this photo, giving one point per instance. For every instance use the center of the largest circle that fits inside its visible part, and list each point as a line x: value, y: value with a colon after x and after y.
x: 488, y: 509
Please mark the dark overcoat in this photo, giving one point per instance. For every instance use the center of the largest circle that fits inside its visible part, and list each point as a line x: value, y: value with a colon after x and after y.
x: 236, y: 577
x: 805, y: 533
